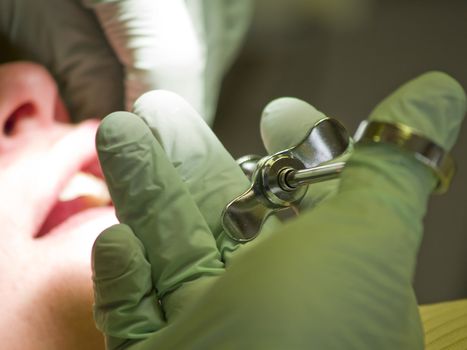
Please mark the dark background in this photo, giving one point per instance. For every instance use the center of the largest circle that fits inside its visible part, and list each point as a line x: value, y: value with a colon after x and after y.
x: 344, y: 56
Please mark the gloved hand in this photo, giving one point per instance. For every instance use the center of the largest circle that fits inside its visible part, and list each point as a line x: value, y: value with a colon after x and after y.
x: 205, y: 177
x: 182, y: 46
x: 339, y: 276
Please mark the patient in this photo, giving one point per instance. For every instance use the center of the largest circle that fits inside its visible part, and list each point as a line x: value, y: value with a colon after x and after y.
x: 52, y: 207
x: 51, y: 210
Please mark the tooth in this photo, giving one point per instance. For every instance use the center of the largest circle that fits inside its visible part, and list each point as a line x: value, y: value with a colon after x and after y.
x: 86, y: 185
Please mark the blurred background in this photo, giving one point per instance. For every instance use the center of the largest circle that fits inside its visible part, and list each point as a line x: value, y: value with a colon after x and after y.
x: 343, y: 57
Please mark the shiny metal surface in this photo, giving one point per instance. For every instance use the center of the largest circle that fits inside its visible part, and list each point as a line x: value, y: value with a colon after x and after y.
x: 281, y: 180
x: 270, y: 190
x: 294, y: 178
x: 248, y: 164
x: 424, y: 150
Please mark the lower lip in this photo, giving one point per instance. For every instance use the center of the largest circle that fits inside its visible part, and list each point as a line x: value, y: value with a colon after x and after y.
x: 63, y: 210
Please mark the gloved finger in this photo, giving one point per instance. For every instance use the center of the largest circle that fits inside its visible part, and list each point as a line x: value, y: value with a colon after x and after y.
x: 367, y: 236
x: 440, y: 120
x: 143, y: 35
x: 346, y: 267
x: 126, y: 307
x: 211, y: 175
x: 284, y: 123
x: 150, y: 198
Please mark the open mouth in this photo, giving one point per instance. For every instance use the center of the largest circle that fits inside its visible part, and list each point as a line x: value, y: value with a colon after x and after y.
x: 84, y: 190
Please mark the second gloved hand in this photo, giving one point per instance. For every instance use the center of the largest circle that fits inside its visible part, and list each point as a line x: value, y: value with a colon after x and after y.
x: 181, y: 46
x: 337, y: 277
x: 186, y: 185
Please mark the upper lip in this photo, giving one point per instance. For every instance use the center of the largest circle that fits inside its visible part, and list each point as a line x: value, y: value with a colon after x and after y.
x: 85, y: 189
x: 70, y: 152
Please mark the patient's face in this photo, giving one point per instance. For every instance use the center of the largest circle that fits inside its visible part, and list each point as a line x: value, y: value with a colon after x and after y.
x: 47, y: 227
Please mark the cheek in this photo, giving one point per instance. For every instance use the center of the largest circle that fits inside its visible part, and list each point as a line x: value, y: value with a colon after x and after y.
x: 62, y: 317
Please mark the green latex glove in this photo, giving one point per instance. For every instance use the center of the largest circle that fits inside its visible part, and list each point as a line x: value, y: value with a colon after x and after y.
x: 337, y: 277
x: 106, y: 53
x: 184, y: 46
x: 198, y: 177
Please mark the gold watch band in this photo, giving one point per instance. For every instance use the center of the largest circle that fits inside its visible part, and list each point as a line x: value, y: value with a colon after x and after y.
x: 409, y: 140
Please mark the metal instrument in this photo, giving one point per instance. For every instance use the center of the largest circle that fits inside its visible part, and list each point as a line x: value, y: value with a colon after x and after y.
x: 280, y: 180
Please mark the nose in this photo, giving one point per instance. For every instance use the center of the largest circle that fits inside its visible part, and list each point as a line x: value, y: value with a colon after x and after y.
x: 28, y: 98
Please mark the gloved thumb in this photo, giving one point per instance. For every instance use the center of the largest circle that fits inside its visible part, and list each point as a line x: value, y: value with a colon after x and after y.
x: 369, y: 233
x: 434, y: 104
x: 347, y: 266
x: 284, y: 124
